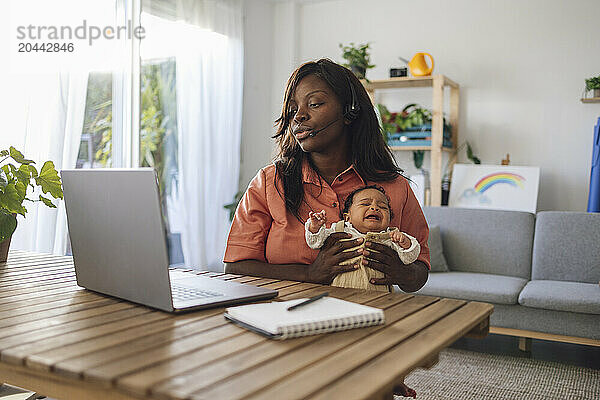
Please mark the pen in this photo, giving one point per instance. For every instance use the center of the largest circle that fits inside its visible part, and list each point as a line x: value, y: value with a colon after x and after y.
x: 303, y: 303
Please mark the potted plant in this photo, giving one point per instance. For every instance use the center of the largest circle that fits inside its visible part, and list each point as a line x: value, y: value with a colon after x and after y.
x: 357, y: 58
x: 16, y: 178
x: 593, y: 84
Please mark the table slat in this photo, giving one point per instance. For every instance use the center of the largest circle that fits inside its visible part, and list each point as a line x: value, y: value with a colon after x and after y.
x: 68, y: 328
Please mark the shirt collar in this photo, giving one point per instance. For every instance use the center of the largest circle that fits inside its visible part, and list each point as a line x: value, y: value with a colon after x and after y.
x: 309, y: 175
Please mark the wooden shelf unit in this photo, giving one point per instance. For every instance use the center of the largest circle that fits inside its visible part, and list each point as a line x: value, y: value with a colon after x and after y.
x: 437, y: 82
x: 591, y: 100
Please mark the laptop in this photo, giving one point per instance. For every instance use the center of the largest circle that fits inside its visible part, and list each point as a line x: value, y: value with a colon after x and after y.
x: 119, y: 244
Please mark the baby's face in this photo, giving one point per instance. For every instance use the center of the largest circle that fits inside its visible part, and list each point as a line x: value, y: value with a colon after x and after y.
x: 369, y: 212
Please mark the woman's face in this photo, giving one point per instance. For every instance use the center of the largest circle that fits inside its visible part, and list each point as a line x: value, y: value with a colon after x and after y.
x: 315, y: 106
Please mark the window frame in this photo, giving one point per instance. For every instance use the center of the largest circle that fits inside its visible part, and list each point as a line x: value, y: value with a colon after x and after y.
x: 126, y: 92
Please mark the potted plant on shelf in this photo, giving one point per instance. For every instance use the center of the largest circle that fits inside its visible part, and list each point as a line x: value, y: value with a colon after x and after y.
x: 593, y: 85
x: 16, y: 178
x: 357, y: 58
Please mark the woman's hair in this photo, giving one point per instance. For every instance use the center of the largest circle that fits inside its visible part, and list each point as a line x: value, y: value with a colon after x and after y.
x: 350, y: 199
x: 372, y: 158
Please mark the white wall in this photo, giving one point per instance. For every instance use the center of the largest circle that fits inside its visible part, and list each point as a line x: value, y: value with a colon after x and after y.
x: 257, y: 118
x: 521, y: 66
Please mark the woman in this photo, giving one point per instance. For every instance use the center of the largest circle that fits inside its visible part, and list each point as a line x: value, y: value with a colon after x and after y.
x: 329, y: 144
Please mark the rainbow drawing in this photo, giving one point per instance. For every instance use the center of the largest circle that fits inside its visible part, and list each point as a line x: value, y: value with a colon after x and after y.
x: 498, y: 177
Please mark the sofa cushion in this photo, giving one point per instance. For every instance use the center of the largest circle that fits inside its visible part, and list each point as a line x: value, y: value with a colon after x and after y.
x: 474, y: 286
x: 488, y: 241
x: 562, y: 296
x: 548, y: 321
x: 566, y: 247
x: 436, y: 250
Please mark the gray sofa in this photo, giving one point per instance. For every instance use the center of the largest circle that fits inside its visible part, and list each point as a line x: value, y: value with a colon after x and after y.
x: 541, y: 272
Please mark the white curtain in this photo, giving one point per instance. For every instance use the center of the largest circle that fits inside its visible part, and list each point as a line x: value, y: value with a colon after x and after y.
x: 209, y: 76
x: 47, y: 123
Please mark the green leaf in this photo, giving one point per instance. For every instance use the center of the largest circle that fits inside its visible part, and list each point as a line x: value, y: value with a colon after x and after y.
x: 47, y: 202
x: 4, y: 153
x: 8, y: 224
x: 18, y: 156
x: 11, y: 201
x: 471, y: 156
x: 32, y: 170
x: 418, y: 156
x: 469, y: 152
x: 21, y: 190
x: 12, y: 169
x: 23, y: 174
x: 49, y: 180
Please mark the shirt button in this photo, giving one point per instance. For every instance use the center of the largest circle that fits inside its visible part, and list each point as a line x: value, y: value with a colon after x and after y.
x: 334, y: 204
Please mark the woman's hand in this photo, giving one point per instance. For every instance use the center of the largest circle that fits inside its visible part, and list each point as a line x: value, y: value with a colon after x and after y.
x: 327, y: 264
x: 410, y: 278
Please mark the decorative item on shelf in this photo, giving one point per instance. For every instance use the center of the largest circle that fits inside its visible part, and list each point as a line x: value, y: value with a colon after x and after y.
x: 399, y: 72
x: 15, y: 180
x: 418, y: 65
x: 593, y: 85
x: 357, y: 58
x: 506, y: 161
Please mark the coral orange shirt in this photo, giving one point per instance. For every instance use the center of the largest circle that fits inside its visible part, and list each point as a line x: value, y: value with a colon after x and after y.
x: 263, y: 230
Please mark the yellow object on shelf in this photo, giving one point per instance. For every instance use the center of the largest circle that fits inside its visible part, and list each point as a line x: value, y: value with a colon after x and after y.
x: 418, y: 65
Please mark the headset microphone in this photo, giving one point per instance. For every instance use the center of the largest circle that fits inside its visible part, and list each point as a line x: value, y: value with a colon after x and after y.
x: 314, y: 133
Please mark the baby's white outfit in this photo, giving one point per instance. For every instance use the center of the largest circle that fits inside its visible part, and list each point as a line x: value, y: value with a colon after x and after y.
x: 361, y: 277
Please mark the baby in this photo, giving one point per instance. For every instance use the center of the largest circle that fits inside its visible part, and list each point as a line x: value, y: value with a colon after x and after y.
x: 367, y: 214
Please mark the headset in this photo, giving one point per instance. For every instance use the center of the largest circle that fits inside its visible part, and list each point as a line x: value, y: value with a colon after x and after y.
x: 352, y: 110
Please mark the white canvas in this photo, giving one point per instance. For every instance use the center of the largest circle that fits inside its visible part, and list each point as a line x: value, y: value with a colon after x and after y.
x: 499, y: 187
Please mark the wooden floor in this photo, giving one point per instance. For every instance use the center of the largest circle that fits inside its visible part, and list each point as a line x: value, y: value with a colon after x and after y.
x: 68, y: 343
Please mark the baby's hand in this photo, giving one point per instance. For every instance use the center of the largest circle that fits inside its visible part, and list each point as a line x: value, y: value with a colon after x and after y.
x: 316, y: 220
x: 400, y: 239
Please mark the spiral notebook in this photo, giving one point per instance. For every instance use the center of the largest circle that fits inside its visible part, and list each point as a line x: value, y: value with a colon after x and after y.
x: 325, y: 315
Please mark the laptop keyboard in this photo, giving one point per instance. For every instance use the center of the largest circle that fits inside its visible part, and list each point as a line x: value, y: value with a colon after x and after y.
x: 187, y: 293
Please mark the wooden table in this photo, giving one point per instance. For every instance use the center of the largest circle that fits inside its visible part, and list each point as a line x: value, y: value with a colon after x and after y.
x: 66, y: 342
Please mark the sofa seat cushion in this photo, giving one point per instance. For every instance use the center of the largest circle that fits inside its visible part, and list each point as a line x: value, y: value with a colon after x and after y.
x: 474, y: 286
x: 562, y: 296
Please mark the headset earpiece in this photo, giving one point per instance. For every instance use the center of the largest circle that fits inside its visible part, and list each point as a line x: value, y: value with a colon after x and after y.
x: 352, y: 110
